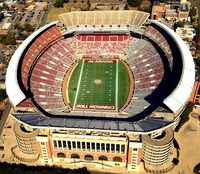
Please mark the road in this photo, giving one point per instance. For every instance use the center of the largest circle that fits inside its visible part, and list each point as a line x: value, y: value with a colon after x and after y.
x: 4, y: 117
x: 24, y: 18
x: 34, y: 19
x: 44, y: 18
x: 7, y: 49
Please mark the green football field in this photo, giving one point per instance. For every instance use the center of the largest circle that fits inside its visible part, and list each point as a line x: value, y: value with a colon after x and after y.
x: 100, y: 84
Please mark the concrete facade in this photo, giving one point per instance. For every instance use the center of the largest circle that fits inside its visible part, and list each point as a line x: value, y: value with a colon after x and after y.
x: 93, y: 149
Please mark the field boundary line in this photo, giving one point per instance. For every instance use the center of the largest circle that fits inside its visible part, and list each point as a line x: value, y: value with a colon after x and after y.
x: 65, y: 86
x: 116, y: 90
x: 78, y: 86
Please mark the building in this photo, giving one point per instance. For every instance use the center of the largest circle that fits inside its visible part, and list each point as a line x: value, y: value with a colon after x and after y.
x: 8, y: 2
x: 52, y: 129
x: 183, y: 11
x: 170, y: 11
x: 5, y: 28
x: 186, y: 33
x: 195, y: 97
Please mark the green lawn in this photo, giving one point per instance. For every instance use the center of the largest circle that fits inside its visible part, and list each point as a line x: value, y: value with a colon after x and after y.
x: 102, y: 84
x: 73, y: 83
x: 124, y: 85
x: 184, y: 117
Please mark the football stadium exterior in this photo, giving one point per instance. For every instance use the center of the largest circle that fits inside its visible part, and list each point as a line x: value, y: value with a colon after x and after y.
x: 65, y: 83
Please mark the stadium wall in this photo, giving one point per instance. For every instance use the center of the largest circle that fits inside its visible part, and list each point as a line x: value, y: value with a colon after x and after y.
x: 13, y: 88
x: 97, y: 147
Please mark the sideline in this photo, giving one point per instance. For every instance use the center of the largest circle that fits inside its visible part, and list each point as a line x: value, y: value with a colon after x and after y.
x: 116, y: 91
x: 78, y: 86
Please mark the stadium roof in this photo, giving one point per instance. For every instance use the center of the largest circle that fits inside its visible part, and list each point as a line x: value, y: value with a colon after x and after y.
x: 184, y: 88
x: 37, y: 120
x: 14, y: 92
x: 139, y: 123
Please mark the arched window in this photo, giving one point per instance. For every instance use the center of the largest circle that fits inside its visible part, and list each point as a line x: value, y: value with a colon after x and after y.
x: 89, y: 157
x: 74, y: 155
x: 103, y: 158
x: 61, y: 155
x: 117, y: 159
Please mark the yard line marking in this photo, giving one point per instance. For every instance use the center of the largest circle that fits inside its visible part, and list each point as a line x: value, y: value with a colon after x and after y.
x: 116, y: 91
x: 78, y: 86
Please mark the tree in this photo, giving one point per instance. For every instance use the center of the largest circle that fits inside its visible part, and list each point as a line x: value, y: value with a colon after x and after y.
x: 164, y: 1
x: 2, y: 38
x: 193, y: 11
x: 126, y: 7
x: 9, y: 39
x: 197, y: 61
x: 178, y: 24
x: 5, y: 6
x: 197, y: 28
x: 134, y: 3
x: 59, y: 3
x: 145, y: 9
x: 18, y: 27
x: 192, y: 14
x: 28, y: 27
x: 197, y: 39
x: 89, y: 4
x: 3, y: 94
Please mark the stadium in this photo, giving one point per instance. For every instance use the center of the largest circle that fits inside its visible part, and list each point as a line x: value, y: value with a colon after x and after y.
x: 100, y: 89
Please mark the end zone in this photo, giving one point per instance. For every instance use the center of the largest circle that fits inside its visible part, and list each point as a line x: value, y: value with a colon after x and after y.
x: 92, y: 106
x: 99, y: 61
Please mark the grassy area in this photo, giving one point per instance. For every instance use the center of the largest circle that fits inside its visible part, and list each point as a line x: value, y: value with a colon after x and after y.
x: 55, y: 12
x: 98, y: 84
x: 184, y: 117
x: 124, y: 84
x: 73, y: 83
